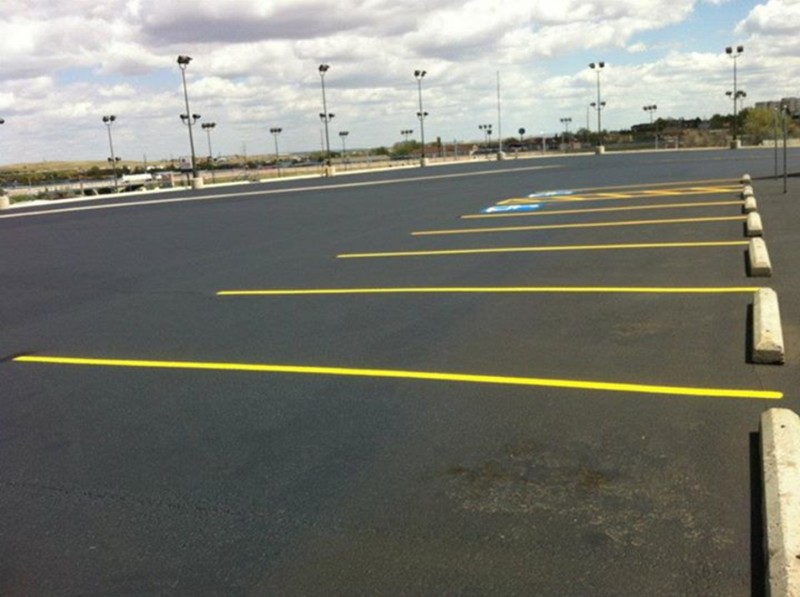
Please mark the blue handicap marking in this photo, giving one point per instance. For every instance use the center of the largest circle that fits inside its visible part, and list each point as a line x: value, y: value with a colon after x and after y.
x: 549, y: 194
x: 495, y: 209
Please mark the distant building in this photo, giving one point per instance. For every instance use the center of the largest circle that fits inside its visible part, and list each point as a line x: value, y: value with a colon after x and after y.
x: 792, y: 103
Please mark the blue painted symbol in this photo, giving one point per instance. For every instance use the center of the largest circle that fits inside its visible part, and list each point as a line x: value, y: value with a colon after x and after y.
x: 497, y: 209
x: 550, y: 194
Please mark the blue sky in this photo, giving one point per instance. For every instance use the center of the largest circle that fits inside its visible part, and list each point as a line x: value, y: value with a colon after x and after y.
x: 255, y: 67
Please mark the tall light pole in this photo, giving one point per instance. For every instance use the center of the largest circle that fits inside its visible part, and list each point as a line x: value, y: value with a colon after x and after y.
x: 734, y: 52
x: 4, y: 200
x: 189, y: 120
x: 565, y: 122
x: 325, y: 116
x: 275, y: 132
x: 343, y: 137
x: 597, y: 67
x: 207, y: 127
x: 419, y: 75
x: 775, y: 137
x: 650, y: 109
x: 183, y: 62
x: 407, y: 133
x: 487, y: 131
x: 108, y: 121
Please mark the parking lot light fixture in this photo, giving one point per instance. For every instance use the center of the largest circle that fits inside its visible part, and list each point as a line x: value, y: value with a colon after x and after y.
x: 487, y: 132
x: 183, y: 62
x: 325, y: 115
x: 566, y: 121
x: 108, y: 121
x: 207, y: 127
x: 650, y: 109
x: 343, y: 137
x: 734, y: 52
x: 421, y: 114
x: 599, y: 105
x: 276, y: 131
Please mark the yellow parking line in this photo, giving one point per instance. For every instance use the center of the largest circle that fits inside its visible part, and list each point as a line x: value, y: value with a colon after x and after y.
x: 592, y: 210
x: 414, y: 375
x: 545, y: 249
x: 648, y: 194
x: 583, y: 225
x: 500, y: 290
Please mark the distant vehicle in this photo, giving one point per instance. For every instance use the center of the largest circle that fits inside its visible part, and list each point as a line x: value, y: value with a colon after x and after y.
x: 135, y: 181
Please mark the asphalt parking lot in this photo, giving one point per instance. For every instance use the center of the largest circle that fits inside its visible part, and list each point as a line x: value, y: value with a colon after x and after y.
x: 368, y: 385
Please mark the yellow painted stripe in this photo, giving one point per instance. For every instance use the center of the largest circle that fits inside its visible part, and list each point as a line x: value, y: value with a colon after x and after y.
x: 583, y: 197
x: 416, y: 375
x: 545, y: 249
x: 584, y: 225
x: 592, y: 210
x: 499, y: 290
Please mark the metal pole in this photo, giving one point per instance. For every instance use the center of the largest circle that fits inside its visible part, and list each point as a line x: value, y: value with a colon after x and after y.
x: 323, y: 68
x: 109, y: 120
x: 599, y: 126
x: 775, y: 138
x: 419, y: 74
x: 783, y: 111
x: 499, y: 122
x: 735, y: 97
x: 183, y: 64
x: 211, y: 154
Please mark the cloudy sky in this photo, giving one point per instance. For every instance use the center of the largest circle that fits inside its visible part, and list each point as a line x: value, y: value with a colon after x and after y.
x: 66, y: 63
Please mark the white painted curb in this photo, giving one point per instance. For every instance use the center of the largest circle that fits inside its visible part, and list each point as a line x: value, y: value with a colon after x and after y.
x: 780, y: 463
x: 5, y: 202
x: 750, y: 205
x: 760, y: 264
x: 754, y: 225
x: 767, y: 331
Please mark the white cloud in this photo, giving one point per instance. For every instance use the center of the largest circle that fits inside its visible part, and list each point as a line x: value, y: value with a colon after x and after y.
x: 255, y: 66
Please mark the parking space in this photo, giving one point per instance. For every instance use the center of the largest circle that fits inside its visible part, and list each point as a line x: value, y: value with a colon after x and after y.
x: 385, y: 391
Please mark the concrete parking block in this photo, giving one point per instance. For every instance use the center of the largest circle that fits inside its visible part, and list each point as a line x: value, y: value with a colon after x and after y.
x: 746, y: 179
x: 758, y: 256
x: 747, y: 191
x: 780, y: 462
x: 750, y: 205
x: 754, y: 225
x: 767, y: 331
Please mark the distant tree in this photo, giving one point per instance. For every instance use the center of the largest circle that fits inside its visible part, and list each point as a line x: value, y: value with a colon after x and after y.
x: 718, y: 121
x: 759, y: 124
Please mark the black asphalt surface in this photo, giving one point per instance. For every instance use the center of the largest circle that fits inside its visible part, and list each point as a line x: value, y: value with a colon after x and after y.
x: 171, y: 481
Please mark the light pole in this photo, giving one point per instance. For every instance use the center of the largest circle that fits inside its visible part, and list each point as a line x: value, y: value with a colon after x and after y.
x: 4, y: 200
x: 775, y: 137
x: 419, y: 75
x: 407, y: 133
x: 650, y: 109
x: 325, y: 116
x: 275, y: 132
x: 108, y: 121
x: 207, y: 126
x: 734, y: 52
x: 785, y: 116
x: 738, y: 99
x: 183, y: 62
x: 487, y: 131
x: 189, y: 121
x: 565, y: 122
x: 599, y: 105
x: 343, y: 136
